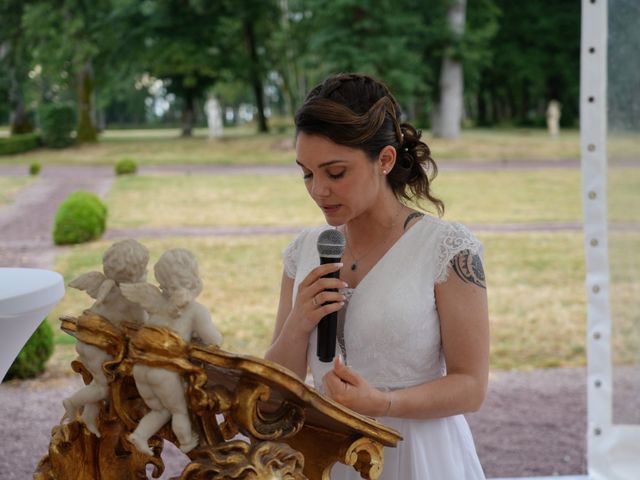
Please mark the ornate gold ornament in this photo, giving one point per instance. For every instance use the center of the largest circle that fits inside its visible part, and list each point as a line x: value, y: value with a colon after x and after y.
x: 289, y: 430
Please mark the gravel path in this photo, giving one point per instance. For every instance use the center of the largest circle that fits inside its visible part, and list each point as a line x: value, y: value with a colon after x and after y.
x: 532, y: 423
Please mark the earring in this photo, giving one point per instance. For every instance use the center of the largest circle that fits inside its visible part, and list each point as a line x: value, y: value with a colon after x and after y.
x: 384, y: 172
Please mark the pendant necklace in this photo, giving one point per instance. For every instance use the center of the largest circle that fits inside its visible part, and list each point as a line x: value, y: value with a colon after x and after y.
x: 354, y: 263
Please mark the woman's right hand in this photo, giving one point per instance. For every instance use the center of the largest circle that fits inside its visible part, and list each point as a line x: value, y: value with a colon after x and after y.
x: 314, y: 300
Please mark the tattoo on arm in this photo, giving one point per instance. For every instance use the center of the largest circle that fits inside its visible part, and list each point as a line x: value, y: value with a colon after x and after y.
x: 469, y: 268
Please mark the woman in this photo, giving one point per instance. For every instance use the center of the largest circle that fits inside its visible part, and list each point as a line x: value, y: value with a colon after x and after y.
x: 413, y: 321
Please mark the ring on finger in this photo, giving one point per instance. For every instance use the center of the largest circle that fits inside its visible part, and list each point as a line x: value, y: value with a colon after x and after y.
x: 315, y: 302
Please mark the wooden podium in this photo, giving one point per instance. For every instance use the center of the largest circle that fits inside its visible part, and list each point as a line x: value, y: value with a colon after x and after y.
x: 255, y: 419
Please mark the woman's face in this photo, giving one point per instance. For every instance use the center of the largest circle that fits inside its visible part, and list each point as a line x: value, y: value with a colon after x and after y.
x: 342, y: 181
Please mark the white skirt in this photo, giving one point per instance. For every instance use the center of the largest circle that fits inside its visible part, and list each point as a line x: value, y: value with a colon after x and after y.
x: 440, y: 449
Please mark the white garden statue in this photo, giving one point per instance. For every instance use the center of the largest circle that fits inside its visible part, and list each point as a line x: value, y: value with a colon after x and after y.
x: 173, y: 307
x: 554, y: 112
x: 214, y: 117
x: 124, y: 262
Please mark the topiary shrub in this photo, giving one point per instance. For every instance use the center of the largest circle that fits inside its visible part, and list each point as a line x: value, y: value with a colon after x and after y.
x: 81, y: 217
x: 31, y: 360
x: 34, y: 169
x: 19, y: 143
x: 56, y: 124
x: 126, y: 166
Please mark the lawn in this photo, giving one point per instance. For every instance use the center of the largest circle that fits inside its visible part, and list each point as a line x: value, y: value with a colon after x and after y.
x: 241, y: 145
x: 475, y: 197
x: 536, y: 293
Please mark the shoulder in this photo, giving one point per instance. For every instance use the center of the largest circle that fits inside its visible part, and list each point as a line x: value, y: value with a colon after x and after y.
x: 448, y: 240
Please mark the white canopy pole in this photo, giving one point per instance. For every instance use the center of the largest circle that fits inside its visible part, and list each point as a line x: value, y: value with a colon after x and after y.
x: 613, y: 451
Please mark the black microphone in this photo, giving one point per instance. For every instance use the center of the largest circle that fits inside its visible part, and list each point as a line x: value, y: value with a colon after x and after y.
x: 331, y: 245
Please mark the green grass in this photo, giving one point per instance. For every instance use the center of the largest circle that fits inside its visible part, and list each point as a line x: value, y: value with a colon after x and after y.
x: 242, y: 145
x: 207, y: 200
x: 494, y: 197
x: 536, y: 293
x: 241, y: 276
x: 11, y: 186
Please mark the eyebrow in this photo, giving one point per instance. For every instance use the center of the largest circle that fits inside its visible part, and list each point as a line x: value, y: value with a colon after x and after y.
x: 322, y: 165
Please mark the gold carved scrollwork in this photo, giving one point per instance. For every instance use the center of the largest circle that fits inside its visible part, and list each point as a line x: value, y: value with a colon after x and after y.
x: 226, y: 394
x: 285, y: 421
x: 366, y: 456
x: 243, y: 461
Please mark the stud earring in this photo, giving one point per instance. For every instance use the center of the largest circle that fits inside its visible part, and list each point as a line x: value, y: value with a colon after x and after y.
x: 384, y: 172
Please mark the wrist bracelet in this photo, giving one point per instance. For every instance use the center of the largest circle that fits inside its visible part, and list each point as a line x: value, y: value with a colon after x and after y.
x: 386, y: 412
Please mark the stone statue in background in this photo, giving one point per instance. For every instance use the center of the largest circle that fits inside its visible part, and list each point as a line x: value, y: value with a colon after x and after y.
x: 171, y: 307
x: 123, y: 262
x: 553, y: 118
x: 214, y: 117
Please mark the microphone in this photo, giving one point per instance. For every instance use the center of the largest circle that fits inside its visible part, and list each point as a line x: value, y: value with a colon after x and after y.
x: 331, y: 245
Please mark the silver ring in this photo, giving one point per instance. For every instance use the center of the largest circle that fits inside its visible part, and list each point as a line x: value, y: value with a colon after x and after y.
x: 315, y: 301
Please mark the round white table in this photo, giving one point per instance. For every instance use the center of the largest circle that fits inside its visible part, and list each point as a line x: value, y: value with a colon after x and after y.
x: 27, y: 295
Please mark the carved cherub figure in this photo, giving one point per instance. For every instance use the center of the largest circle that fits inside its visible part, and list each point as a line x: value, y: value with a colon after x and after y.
x: 172, y: 306
x: 123, y: 262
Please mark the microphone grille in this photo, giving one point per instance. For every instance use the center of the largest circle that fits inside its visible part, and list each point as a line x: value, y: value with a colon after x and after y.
x: 331, y: 243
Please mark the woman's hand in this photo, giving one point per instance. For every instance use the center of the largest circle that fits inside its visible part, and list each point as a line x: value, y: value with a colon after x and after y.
x: 314, y: 301
x: 351, y: 390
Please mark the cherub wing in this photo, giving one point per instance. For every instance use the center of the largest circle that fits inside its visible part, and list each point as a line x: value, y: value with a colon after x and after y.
x: 148, y: 296
x: 89, y: 282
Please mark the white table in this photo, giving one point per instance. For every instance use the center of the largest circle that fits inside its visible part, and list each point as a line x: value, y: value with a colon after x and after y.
x: 27, y: 295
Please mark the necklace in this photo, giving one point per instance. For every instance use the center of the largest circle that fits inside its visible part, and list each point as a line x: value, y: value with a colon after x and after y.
x: 354, y: 263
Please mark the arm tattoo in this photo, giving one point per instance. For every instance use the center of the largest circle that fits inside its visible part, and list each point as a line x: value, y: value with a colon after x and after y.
x: 469, y: 268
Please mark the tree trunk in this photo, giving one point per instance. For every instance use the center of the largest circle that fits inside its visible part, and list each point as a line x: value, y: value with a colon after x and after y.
x: 449, y: 111
x: 188, y: 113
x: 20, y: 122
x: 86, y: 131
x: 254, y: 73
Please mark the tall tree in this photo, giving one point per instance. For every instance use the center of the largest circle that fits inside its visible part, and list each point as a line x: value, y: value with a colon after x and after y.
x: 448, y: 113
x: 68, y: 36
x: 15, y: 64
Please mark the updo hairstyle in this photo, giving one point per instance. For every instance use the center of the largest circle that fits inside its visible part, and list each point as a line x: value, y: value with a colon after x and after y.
x: 357, y: 111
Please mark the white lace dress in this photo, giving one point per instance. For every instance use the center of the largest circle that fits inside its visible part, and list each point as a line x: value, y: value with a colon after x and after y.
x: 389, y: 332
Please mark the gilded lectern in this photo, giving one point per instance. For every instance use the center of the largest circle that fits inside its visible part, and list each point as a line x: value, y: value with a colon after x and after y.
x: 252, y: 419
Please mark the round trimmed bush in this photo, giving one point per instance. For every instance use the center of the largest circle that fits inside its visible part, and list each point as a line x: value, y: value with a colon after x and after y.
x: 31, y: 360
x: 81, y: 217
x: 34, y: 169
x: 126, y: 166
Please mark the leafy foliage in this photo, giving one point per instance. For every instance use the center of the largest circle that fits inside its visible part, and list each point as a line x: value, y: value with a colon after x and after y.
x: 31, y: 360
x: 81, y: 217
x: 19, y: 143
x: 126, y: 166
x: 56, y: 124
x: 34, y: 169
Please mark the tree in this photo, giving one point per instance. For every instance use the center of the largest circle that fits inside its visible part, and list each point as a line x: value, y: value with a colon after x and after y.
x: 67, y: 37
x: 535, y: 58
x: 448, y: 114
x: 15, y: 63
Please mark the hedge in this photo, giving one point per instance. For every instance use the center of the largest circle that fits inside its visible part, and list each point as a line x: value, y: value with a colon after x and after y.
x: 31, y: 360
x: 19, y: 143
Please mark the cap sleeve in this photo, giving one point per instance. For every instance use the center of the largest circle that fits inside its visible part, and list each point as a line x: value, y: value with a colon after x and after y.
x: 455, y: 239
x: 290, y: 258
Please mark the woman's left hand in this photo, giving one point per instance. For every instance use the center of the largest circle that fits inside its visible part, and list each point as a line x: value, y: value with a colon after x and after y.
x: 351, y: 390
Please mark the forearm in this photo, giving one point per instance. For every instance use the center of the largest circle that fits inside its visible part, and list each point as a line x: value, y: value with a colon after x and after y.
x: 453, y: 394
x: 290, y: 350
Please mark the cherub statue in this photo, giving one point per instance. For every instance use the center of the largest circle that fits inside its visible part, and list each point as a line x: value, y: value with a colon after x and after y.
x: 173, y: 307
x: 123, y: 262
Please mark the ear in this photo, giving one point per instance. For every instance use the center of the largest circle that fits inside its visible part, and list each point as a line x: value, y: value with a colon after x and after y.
x: 387, y: 159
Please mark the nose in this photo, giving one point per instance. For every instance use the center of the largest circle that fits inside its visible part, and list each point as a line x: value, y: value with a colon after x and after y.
x: 319, y: 188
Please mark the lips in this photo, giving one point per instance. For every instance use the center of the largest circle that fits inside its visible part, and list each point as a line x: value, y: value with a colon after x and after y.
x: 329, y: 209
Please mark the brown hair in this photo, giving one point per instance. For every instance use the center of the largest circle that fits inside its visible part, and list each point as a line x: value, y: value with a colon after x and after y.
x: 358, y: 111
